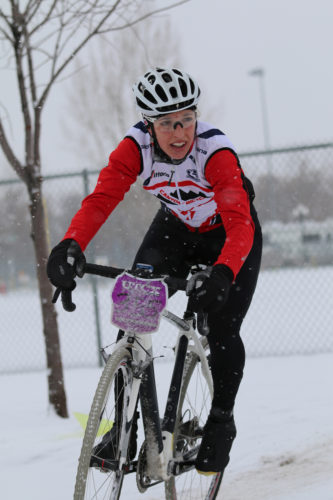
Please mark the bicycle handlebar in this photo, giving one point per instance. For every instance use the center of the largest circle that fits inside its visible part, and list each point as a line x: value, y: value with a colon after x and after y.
x: 113, y: 272
x: 109, y: 272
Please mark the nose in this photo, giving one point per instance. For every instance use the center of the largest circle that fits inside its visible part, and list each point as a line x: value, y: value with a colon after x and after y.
x: 178, y: 131
x: 176, y: 125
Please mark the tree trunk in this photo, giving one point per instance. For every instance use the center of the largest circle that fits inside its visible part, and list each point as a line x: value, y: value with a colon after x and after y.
x: 57, y: 395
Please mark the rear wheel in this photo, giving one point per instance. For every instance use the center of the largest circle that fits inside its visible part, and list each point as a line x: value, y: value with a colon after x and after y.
x: 97, y: 478
x: 193, y: 409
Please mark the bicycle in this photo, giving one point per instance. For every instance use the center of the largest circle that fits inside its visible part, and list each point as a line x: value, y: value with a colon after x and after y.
x: 168, y: 452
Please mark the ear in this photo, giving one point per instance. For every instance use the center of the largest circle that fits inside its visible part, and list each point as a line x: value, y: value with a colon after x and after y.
x: 148, y: 126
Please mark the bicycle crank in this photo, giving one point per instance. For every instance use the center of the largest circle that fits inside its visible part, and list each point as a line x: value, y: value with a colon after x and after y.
x: 143, y: 481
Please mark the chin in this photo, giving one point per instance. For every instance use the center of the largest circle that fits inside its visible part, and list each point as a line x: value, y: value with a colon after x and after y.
x: 177, y: 155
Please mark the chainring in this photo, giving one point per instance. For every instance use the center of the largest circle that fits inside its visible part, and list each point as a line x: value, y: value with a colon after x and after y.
x: 142, y: 480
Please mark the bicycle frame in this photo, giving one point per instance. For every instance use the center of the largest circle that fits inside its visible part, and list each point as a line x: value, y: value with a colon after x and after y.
x: 159, y: 436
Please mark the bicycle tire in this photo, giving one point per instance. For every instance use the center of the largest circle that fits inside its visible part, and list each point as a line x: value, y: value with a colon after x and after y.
x: 91, y: 482
x: 191, y: 484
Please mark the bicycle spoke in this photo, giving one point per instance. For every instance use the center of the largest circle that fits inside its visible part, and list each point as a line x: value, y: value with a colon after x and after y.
x: 106, y: 414
x: 194, y: 406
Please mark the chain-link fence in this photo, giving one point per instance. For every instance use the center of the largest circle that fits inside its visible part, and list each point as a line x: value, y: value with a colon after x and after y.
x: 292, y: 307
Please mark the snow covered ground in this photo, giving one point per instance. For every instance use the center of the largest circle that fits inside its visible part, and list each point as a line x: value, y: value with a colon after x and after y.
x: 284, y: 448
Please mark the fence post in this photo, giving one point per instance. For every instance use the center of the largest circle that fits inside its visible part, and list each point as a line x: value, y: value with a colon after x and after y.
x: 93, y: 280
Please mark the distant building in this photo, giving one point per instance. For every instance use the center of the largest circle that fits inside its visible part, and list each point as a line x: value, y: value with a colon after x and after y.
x: 298, y: 243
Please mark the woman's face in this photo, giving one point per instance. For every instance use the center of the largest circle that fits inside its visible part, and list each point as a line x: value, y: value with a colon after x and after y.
x: 175, y: 132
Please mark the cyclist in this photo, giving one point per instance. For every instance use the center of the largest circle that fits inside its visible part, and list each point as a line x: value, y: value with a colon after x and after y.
x: 206, y: 216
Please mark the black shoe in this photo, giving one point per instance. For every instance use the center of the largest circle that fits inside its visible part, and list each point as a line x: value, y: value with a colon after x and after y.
x: 219, y: 433
x: 107, y: 449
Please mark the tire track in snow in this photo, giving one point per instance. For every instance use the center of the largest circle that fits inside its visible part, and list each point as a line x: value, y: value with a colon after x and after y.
x: 291, y: 475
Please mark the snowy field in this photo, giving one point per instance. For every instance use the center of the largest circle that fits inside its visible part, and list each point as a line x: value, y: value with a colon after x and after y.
x: 284, y: 413
x: 284, y: 448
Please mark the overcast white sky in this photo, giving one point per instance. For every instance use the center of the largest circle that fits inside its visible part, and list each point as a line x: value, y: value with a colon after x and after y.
x: 292, y: 40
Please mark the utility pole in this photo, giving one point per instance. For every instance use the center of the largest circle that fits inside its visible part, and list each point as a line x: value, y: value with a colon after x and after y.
x: 260, y: 74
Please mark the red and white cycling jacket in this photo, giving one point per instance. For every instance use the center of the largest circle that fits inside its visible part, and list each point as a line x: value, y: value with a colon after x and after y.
x: 206, y: 188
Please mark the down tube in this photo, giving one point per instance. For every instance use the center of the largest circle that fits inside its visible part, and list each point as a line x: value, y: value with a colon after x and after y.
x: 149, y: 406
x: 169, y: 419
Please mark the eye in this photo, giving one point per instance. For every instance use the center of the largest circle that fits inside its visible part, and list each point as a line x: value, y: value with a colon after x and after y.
x: 165, y: 123
x: 188, y: 119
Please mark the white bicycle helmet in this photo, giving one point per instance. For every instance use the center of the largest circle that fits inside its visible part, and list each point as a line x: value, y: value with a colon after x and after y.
x: 162, y: 91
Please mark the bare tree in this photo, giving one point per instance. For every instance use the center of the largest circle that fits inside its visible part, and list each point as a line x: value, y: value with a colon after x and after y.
x: 99, y: 100
x: 41, y: 38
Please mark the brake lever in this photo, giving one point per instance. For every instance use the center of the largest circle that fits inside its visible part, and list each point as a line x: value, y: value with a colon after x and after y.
x: 66, y: 298
x: 56, y: 295
x: 202, y: 323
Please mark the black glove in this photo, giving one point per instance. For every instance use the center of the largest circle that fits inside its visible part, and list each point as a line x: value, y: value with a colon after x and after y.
x: 65, y: 262
x: 209, y: 289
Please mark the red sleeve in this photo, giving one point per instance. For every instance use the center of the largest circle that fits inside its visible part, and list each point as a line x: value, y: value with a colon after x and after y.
x: 226, y: 177
x: 113, y: 183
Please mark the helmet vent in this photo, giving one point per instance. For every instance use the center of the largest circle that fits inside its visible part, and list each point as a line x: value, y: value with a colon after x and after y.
x: 160, y: 92
x: 192, y: 85
x: 183, y: 87
x: 142, y: 105
x: 178, y: 106
x: 149, y: 96
x: 173, y: 92
x: 166, y: 77
x: 151, y: 79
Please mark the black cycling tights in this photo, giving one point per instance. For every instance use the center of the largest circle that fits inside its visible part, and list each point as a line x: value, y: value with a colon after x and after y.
x: 171, y: 248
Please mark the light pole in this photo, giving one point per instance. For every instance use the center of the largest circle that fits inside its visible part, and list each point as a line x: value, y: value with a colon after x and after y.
x: 260, y: 74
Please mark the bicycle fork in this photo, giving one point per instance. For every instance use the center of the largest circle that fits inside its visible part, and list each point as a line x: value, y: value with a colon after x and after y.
x: 159, y: 436
x: 142, y: 383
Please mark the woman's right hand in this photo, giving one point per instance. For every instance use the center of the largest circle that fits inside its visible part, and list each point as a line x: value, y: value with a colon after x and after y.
x: 66, y: 261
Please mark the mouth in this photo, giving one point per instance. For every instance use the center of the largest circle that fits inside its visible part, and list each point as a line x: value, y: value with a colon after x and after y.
x: 178, y: 145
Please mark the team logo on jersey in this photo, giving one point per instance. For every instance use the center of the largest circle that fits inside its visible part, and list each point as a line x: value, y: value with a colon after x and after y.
x: 191, y: 157
x: 154, y: 175
x: 192, y: 174
x: 159, y: 174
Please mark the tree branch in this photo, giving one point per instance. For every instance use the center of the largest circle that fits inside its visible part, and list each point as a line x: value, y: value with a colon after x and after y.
x: 97, y: 30
x: 17, y: 34
x: 44, y: 21
x: 7, y: 36
x: 30, y: 65
x: 3, y: 31
x: 31, y: 9
x: 75, y: 51
x: 56, y: 48
x: 12, y: 159
x: 5, y: 18
x: 145, y: 16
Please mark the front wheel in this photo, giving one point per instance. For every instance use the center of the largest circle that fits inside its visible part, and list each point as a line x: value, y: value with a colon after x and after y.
x: 104, y: 479
x: 193, y: 409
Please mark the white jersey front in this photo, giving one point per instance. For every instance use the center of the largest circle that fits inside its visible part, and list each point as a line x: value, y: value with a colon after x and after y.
x: 183, y: 188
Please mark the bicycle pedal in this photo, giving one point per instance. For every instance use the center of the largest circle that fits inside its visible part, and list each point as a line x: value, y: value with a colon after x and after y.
x: 203, y: 473
x: 177, y: 468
